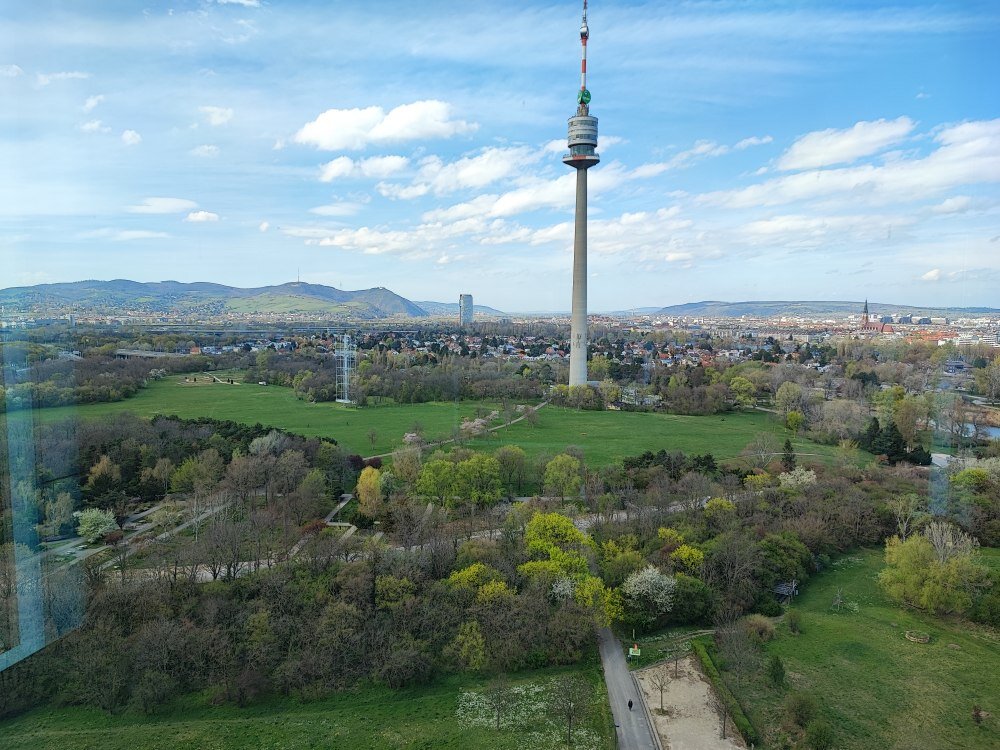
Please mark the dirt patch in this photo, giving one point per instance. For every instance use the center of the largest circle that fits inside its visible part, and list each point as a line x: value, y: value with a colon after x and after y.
x: 688, y: 721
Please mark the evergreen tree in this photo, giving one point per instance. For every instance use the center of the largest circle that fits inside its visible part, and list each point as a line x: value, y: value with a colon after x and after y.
x: 788, y: 456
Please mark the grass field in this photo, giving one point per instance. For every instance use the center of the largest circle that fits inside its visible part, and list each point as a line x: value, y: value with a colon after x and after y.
x: 278, y: 407
x: 449, y: 715
x: 608, y: 436
x: 877, y: 689
x: 604, y: 436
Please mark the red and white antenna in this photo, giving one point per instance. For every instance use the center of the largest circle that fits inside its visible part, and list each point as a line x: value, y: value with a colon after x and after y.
x: 584, y: 95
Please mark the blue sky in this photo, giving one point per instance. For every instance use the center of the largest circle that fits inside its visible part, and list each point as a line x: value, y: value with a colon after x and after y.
x: 750, y: 150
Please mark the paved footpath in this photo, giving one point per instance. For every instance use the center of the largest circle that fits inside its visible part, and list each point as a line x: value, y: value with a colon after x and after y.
x: 634, y: 732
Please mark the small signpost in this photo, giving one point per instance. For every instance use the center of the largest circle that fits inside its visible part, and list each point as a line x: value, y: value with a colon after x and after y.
x: 634, y: 652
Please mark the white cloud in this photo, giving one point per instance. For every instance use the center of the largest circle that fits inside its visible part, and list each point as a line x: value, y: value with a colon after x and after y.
x: 966, y: 154
x: 162, y: 206
x: 264, y: 226
x: 955, y: 205
x: 340, y: 129
x: 753, y: 141
x: 92, y: 101
x: 207, y: 151
x: 122, y: 235
x: 375, y: 167
x: 216, y: 115
x: 10, y: 71
x: 44, y: 79
x: 346, y: 208
x: 196, y: 217
x: 933, y: 275
x: 824, y: 148
x: 131, y: 138
x: 244, y: 3
x: 95, y: 126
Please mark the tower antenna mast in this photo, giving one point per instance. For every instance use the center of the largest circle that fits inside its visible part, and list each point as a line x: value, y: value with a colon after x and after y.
x: 582, y: 156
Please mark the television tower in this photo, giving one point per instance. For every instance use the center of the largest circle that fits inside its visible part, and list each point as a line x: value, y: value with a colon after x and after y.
x: 582, y: 156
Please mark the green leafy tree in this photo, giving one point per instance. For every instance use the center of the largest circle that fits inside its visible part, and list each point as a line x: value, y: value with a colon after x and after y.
x: 436, y: 480
x: 563, y: 476
x: 477, y: 480
x: 743, y: 392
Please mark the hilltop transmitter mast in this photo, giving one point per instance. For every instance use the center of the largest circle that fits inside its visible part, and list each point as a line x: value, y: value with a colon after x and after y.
x: 582, y: 156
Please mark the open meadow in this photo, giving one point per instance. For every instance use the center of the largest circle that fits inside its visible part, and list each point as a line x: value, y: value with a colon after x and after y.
x: 603, y: 436
x: 449, y: 714
x: 876, y: 688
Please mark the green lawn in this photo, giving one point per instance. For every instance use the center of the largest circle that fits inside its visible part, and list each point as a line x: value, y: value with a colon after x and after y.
x: 876, y: 688
x: 608, y: 436
x: 604, y: 436
x: 278, y: 407
x: 447, y: 714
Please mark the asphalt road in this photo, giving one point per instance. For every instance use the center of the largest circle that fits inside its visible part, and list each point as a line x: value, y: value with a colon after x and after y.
x: 633, y: 730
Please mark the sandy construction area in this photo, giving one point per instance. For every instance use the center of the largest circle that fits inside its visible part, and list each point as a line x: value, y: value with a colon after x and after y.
x: 688, y: 722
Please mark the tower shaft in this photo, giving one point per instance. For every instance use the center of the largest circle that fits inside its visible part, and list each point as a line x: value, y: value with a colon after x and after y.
x: 578, y: 319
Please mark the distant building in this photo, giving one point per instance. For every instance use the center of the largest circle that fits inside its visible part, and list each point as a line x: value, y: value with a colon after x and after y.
x: 870, y: 327
x: 465, y: 310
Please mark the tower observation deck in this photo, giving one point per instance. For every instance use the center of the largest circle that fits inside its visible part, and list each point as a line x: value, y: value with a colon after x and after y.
x: 582, y: 155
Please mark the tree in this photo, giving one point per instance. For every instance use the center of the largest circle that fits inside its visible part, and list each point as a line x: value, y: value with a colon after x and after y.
x: 477, y: 480
x: 436, y: 480
x: 499, y: 697
x: 571, y: 697
x: 905, y: 508
x: 742, y: 391
x: 647, y: 594
x: 660, y: 679
x: 513, y: 464
x: 103, y: 477
x: 759, y: 452
x: 788, y: 455
x: 372, y: 437
x: 788, y: 398
x: 369, y: 493
x: 93, y: 523
x: 795, y: 421
x: 562, y: 476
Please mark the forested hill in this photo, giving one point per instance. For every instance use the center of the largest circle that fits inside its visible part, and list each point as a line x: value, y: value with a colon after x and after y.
x: 766, y: 309
x: 121, y: 296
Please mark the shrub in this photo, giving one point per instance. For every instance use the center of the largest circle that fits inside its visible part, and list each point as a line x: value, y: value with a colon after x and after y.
x: 776, y: 669
x: 819, y: 735
x: 760, y: 627
x: 800, y: 708
x: 725, y: 695
x: 794, y: 620
x: 767, y: 605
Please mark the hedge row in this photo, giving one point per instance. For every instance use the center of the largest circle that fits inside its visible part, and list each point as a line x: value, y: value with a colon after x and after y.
x: 725, y: 694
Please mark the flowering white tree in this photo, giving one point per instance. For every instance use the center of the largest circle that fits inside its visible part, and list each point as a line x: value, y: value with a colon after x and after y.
x: 647, y: 594
x: 797, y: 477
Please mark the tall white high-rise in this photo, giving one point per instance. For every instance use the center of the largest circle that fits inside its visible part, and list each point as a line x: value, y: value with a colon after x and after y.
x: 465, y: 309
x: 582, y: 156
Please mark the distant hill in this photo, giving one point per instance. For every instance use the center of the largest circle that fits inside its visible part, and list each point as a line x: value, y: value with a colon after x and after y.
x: 451, y: 308
x: 767, y: 309
x: 121, y: 296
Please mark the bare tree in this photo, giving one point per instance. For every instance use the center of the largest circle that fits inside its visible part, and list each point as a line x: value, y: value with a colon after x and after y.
x: 906, y: 508
x: 760, y: 451
x: 571, y: 699
x: 660, y: 679
x: 949, y: 541
x: 722, y: 710
x: 499, y: 697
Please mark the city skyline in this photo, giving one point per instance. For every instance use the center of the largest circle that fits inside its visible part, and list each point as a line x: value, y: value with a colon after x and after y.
x: 752, y: 150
